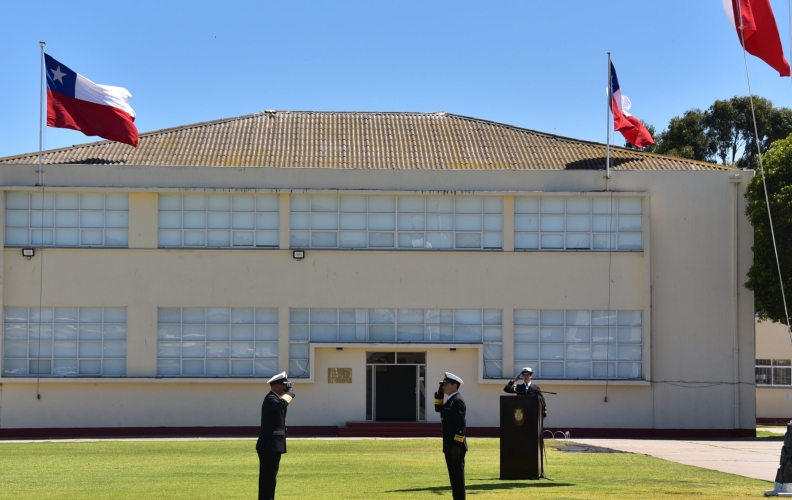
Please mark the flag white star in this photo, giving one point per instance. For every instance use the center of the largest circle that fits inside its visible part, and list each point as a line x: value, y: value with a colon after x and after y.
x: 57, y: 74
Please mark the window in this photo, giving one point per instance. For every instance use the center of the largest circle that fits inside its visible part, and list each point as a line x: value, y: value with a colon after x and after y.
x: 217, y: 342
x: 218, y: 221
x: 67, y: 219
x: 578, y: 223
x: 773, y: 372
x: 441, y: 326
x: 64, y: 341
x: 403, y: 222
x: 579, y: 344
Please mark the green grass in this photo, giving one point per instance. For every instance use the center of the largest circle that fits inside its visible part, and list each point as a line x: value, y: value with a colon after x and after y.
x: 769, y: 434
x: 337, y: 469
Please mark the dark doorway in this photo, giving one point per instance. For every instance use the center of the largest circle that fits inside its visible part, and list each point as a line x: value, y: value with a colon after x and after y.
x: 396, y: 393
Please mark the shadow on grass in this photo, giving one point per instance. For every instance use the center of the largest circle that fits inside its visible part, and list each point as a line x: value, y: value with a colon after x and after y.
x: 487, y: 487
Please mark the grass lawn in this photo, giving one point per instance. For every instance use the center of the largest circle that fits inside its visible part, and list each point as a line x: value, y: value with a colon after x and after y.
x: 338, y: 469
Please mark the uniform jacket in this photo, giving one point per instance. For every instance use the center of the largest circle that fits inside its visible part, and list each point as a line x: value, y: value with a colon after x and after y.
x: 524, y: 390
x: 452, y: 416
x: 272, y: 436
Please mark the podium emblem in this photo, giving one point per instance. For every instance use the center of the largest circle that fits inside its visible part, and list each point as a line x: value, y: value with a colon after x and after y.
x: 519, y: 416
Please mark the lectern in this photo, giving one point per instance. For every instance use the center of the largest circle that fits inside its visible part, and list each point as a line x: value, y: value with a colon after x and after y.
x: 521, y: 437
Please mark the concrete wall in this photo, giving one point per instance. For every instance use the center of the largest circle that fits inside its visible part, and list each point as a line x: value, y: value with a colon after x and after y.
x: 698, y: 319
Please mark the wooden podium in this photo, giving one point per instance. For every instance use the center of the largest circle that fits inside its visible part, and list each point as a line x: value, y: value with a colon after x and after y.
x: 521, y: 437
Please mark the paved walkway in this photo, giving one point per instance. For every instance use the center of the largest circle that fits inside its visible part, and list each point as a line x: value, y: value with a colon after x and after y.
x: 757, y: 459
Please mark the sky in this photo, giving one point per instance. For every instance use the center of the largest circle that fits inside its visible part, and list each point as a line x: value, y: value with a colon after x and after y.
x: 540, y: 65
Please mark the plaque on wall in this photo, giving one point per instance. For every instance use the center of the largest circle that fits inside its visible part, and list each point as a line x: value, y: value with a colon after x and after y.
x: 339, y: 375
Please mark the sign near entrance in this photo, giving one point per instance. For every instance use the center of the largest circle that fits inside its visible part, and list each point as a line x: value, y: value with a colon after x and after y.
x: 339, y: 375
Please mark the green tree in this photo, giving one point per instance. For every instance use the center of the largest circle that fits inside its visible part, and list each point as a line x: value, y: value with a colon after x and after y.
x: 763, y: 275
x: 686, y: 137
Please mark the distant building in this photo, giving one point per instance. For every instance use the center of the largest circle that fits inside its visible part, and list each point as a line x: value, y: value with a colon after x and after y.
x: 773, y: 373
x: 429, y: 242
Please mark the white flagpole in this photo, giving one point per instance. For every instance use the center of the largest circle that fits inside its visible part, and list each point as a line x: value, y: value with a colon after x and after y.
x: 41, y: 119
x: 608, y: 128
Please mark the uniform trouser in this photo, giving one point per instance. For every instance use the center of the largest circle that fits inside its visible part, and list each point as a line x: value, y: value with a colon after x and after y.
x: 269, y: 462
x: 456, y: 472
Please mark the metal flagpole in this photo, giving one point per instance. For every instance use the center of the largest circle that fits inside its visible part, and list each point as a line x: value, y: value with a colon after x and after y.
x: 608, y: 120
x: 41, y: 120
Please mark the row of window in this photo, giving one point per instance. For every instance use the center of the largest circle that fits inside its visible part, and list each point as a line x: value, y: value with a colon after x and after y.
x: 322, y: 221
x: 227, y: 342
x: 773, y: 372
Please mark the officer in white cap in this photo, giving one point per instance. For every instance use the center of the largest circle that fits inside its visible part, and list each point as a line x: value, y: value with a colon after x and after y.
x: 452, y: 416
x: 527, y: 388
x: 271, y: 443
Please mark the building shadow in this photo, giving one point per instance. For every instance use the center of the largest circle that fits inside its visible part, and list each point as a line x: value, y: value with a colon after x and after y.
x: 598, y: 163
x: 487, y: 487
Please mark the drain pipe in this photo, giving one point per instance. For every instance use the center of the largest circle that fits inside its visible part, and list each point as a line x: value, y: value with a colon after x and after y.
x: 735, y: 180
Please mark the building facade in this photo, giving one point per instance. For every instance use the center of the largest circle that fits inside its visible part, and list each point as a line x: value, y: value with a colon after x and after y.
x: 366, y: 254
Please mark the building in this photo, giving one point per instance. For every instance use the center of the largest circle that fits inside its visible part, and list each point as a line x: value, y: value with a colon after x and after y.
x: 773, y: 373
x: 429, y: 242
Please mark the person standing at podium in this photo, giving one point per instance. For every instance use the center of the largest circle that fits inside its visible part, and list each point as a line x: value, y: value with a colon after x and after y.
x: 527, y: 388
x: 452, y: 416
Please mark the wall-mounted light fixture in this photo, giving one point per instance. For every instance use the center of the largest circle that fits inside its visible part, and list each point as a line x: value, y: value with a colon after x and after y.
x: 298, y: 254
x: 28, y: 252
x: 452, y: 349
x: 339, y: 348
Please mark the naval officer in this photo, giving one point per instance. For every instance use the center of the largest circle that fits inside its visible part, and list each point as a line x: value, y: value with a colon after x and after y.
x: 271, y: 443
x: 452, y: 416
x: 527, y: 388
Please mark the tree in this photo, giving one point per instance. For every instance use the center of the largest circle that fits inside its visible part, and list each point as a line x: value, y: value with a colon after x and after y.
x: 763, y: 275
x: 725, y: 133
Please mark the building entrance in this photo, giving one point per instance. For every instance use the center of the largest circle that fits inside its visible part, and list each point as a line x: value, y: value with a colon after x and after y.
x: 395, y: 386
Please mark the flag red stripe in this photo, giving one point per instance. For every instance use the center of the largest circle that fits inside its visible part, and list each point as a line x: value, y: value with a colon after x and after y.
x: 630, y: 127
x: 107, y: 122
x: 761, y: 34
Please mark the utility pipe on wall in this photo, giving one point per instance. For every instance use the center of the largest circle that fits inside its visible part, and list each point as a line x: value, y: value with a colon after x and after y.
x: 735, y: 180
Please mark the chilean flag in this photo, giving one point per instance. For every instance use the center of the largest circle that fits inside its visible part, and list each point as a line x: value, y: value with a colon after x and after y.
x: 758, y: 25
x: 76, y: 102
x: 630, y: 127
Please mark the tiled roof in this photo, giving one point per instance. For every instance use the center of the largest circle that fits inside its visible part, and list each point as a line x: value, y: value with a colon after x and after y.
x: 318, y: 139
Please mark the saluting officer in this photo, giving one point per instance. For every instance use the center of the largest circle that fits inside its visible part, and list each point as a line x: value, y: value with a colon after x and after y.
x: 271, y: 443
x: 452, y: 415
x: 527, y: 388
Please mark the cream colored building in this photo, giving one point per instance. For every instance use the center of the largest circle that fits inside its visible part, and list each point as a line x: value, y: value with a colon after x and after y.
x: 168, y: 287
x: 773, y: 373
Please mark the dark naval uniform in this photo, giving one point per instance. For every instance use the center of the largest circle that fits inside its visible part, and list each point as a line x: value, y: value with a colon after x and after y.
x: 271, y: 443
x: 527, y: 390
x: 452, y: 415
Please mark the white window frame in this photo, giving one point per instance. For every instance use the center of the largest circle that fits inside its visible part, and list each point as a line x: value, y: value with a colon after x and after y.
x: 267, y: 367
x: 42, y: 228
x: 566, y: 235
x: 453, y: 233
x: 258, y: 234
x: 536, y: 364
x: 774, y: 367
x: 112, y: 334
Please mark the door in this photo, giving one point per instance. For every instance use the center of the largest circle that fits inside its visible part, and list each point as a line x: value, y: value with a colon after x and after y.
x: 395, y: 389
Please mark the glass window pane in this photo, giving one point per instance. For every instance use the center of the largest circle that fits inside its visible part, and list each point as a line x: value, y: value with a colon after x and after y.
x: 439, y: 222
x: 410, y: 316
x: 324, y: 203
x: 195, y: 202
x: 468, y: 223
x: 42, y: 219
x: 578, y: 223
x: 412, y: 222
x: 300, y: 221
x: 526, y: 205
x: 381, y: 222
x: 439, y: 204
x: 267, y: 316
x: 267, y: 221
x: 629, y: 318
x: 194, y: 238
x: 16, y: 218
x: 117, y: 201
x: 168, y: 332
x: 266, y: 349
x: 219, y: 239
x: 170, y: 202
x: 113, y: 350
x: 242, y: 315
x: 553, y: 223
x: 381, y: 240
x: 90, y: 367
x: 493, y: 317
x: 299, y: 203
x: 66, y: 349
x: 242, y: 332
x: 324, y: 333
x: 352, y: 204
x: 629, y: 352
x: 170, y: 238
x: 493, y: 223
x: 493, y: 352
x: 243, y: 203
x: 551, y: 351
x: 467, y: 333
x: 219, y: 202
x: 91, y: 219
x: 578, y: 351
x: 217, y: 367
x: 67, y: 201
x: 603, y: 335
x: 117, y: 219
x: 552, y: 205
x: 218, y: 332
x: 439, y: 240
x: 578, y: 205
x: 547, y: 334
x: 604, y: 205
x: 415, y: 204
x: 526, y: 334
x: 630, y: 241
x: 219, y: 220
x: 352, y: 239
x: 267, y: 332
x: 324, y: 221
x: 382, y: 204
x: 630, y: 206
x: 493, y: 205
x: 353, y: 221
x: 114, y: 367
x: 468, y: 316
x: 17, y: 200
x: 298, y: 239
x: 193, y: 349
x: 468, y: 240
x: 170, y: 220
x: 324, y: 240
x: 631, y: 335
x: 169, y: 315
x: 578, y: 370
x: 552, y: 318
x: 298, y: 350
x: 168, y: 367
x: 266, y: 367
x: 195, y: 220
x: 469, y: 205
x: 526, y: 241
x: 526, y: 351
x: 577, y: 335
x: 267, y: 238
x: 551, y: 370
x: 67, y: 219
x: 526, y: 317
x: 243, y: 238
x: 603, y: 318
x: 268, y: 203
x: 631, y: 223
x: 629, y: 370
x: 193, y: 367
x: 382, y: 333
x: 493, y: 240
x: 16, y: 237
x: 603, y: 370
x: 579, y: 241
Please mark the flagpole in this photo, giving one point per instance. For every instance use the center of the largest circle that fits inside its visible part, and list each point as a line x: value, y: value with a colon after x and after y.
x: 608, y: 127
x: 41, y: 119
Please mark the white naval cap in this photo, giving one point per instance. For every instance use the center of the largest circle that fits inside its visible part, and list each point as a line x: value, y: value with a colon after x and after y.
x: 281, y: 377
x: 527, y: 369
x: 450, y: 377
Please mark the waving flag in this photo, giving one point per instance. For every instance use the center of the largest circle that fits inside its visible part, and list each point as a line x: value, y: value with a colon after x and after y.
x: 76, y: 102
x: 630, y: 127
x: 756, y: 20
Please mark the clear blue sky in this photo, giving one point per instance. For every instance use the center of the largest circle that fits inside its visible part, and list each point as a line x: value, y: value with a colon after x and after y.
x: 539, y: 65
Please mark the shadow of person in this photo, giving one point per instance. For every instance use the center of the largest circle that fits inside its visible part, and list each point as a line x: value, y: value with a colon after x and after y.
x: 487, y: 487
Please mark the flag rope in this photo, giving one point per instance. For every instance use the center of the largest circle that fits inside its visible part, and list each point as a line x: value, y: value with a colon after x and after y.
x: 761, y: 170
x: 43, y: 206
